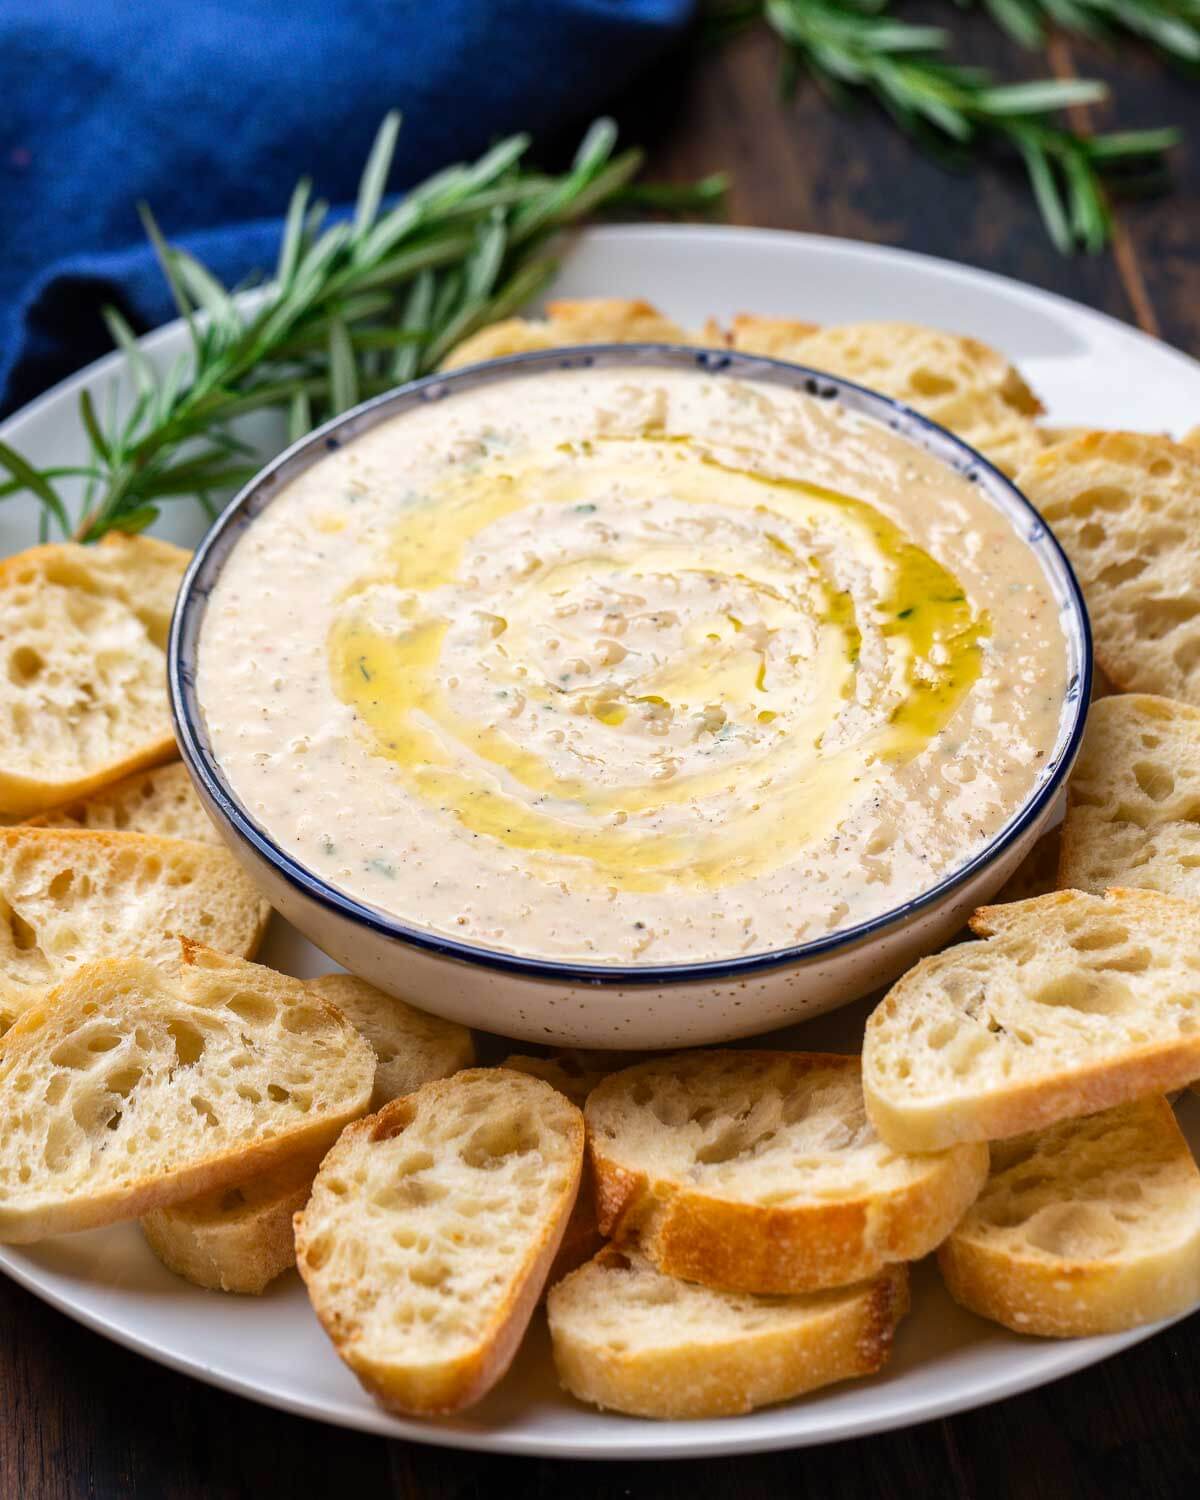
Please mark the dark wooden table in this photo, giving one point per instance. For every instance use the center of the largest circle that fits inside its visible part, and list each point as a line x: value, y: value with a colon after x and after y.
x: 82, y: 1417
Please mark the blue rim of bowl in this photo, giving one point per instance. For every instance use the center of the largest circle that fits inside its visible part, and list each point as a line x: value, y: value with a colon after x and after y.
x: 254, y: 497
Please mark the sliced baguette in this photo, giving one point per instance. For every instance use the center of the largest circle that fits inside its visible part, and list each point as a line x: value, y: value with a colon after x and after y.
x: 910, y: 361
x: 959, y: 382
x: 68, y: 896
x: 760, y: 1172
x: 1126, y: 507
x: 161, y: 801
x: 239, y: 1238
x: 1075, y: 1003
x: 430, y: 1231
x: 1090, y: 1226
x: 82, y: 695
x: 575, y: 1073
x: 777, y: 338
x: 129, y: 1088
x: 630, y: 1339
x: 591, y: 320
x: 1134, y: 799
x: 412, y: 1047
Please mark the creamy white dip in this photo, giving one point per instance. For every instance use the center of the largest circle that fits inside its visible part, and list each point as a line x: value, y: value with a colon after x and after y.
x: 642, y: 666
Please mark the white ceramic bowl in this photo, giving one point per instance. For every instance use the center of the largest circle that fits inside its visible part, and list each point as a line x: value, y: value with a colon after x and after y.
x: 606, y: 1005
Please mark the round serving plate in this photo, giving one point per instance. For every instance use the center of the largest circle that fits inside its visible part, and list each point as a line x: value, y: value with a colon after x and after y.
x: 1089, y: 369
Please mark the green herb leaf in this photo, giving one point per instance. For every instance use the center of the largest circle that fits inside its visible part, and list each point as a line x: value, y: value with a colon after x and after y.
x: 343, y: 377
x: 1045, y: 190
x: 36, y: 483
x: 1171, y: 26
x: 299, y: 415
x: 375, y: 174
x: 1119, y: 144
x: 126, y: 341
x: 293, y: 234
x: 418, y: 309
x: 166, y: 260
x: 1039, y: 98
x: 91, y: 425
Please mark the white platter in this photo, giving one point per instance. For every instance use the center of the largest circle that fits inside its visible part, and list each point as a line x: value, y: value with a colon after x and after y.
x: 1089, y: 369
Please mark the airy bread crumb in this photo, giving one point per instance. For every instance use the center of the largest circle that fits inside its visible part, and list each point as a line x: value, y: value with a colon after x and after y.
x: 760, y: 1172
x: 82, y: 699
x: 1090, y: 1226
x: 430, y: 1231
x: 1076, y: 1002
x: 129, y: 1088
x: 630, y: 1339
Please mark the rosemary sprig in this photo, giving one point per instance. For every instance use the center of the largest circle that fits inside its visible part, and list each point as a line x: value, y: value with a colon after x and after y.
x: 354, y: 308
x: 853, y: 45
x: 1172, y: 27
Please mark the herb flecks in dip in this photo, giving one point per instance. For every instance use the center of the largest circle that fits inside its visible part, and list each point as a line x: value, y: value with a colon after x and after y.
x: 665, y: 689
x: 647, y: 666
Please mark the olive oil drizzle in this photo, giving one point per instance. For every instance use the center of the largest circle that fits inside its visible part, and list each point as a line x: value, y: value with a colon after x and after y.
x: 787, y: 774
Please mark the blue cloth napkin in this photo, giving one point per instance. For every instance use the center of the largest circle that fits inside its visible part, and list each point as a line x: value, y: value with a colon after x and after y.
x: 211, y: 109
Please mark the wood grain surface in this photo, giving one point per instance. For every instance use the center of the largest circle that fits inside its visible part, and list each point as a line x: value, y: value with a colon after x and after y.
x: 83, y: 1418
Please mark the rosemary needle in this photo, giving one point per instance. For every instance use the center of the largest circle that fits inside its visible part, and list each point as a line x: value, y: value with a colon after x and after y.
x: 1171, y: 27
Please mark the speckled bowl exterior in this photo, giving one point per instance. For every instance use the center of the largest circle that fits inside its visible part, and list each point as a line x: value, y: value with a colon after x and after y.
x: 608, y: 1005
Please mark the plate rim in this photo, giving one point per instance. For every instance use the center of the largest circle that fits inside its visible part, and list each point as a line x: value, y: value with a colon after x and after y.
x: 665, y: 1439
x: 1062, y: 1357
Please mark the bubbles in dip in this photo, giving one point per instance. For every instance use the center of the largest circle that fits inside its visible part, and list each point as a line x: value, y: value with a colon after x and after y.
x: 647, y: 666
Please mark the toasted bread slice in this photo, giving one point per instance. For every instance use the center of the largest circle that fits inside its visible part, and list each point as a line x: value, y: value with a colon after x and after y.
x: 760, y: 1172
x: 1126, y: 506
x: 611, y: 320
x: 82, y: 696
x: 581, y: 1237
x: 161, y: 800
x: 575, y: 1072
x: 777, y: 338
x: 928, y: 368
x: 431, y: 1228
x: 1052, y: 434
x: 128, y: 1088
x: 1075, y: 1003
x: 959, y: 382
x: 1090, y: 1226
x: 412, y: 1047
x: 1134, y: 797
x: 592, y: 320
x: 630, y: 1339
x: 509, y: 336
x: 239, y: 1238
x: 68, y: 896
x: 1003, y: 436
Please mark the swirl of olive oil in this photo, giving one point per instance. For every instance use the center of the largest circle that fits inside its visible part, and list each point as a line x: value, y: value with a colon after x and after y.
x: 802, y: 776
